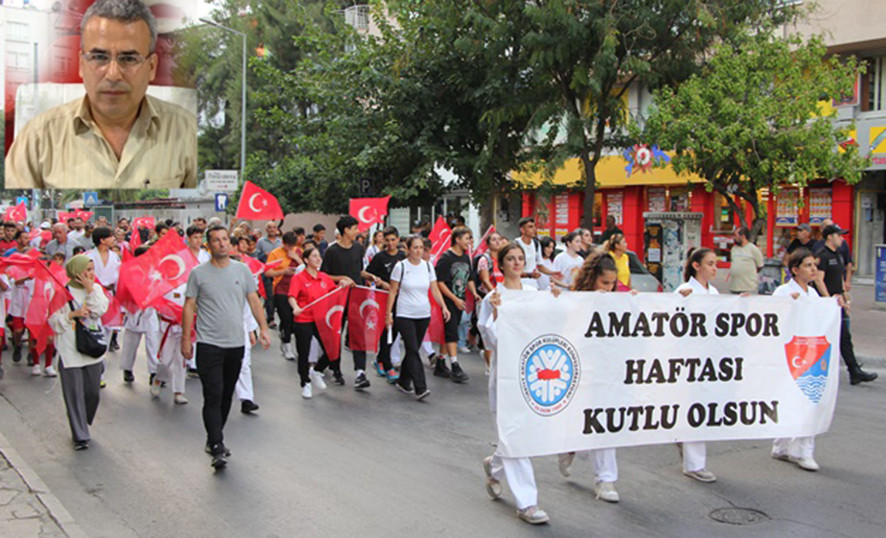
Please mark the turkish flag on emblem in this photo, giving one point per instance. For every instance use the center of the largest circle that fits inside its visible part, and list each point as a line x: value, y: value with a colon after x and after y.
x: 166, y: 265
x: 258, y: 204
x: 17, y: 213
x: 369, y: 211
x: 50, y: 294
x: 440, y: 238
x: 366, y: 319
x: 328, y: 313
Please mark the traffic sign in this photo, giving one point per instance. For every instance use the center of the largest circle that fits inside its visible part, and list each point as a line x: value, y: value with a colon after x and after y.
x: 21, y: 200
x: 221, y: 180
x: 221, y: 202
x: 90, y: 198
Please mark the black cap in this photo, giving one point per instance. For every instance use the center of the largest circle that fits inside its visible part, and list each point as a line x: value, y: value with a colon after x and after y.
x: 833, y: 229
x: 804, y: 226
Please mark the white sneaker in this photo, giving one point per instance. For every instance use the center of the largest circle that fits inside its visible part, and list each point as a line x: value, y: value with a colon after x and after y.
x: 702, y: 475
x: 306, y: 392
x: 808, y: 464
x: 50, y: 371
x: 36, y: 370
x: 288, y: 353
x: 317, y: 379
x: 565, y: 462
x: 180, y: 399
x: 493, y: 486
x: 155, y: 388
x: 463, y: 349
x: 606, y: 492
x: 533, y: 515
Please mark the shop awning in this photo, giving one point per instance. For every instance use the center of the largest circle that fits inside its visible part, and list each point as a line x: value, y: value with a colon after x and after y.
x: 611, y: 172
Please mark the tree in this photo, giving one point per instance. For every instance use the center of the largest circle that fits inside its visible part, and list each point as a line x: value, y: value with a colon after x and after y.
x: 753, y: 118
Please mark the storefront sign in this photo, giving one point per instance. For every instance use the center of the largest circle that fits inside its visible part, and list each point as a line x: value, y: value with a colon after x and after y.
x: 615, y: 205
x: 786, y: 210
x: 819, y: 205
x: 593, y: 370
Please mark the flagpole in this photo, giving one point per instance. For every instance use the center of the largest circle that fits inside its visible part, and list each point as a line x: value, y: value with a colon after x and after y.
x: 309, y: 305
x: 371, y: 289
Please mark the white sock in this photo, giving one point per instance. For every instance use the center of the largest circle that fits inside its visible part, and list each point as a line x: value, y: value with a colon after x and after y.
x: 360, y: 372
x: 453, y: 360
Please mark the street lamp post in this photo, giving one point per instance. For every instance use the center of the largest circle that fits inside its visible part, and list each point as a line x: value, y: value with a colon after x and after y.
x: 242, y: 96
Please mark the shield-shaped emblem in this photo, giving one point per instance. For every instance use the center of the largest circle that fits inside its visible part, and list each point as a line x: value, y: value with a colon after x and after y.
x: 808, y: 360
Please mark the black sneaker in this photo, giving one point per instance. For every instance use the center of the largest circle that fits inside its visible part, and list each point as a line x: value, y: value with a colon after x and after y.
x: 248, y: 406
x: 17, y: 354
x: 361, y: 382
x: 113, y: 346
x: 860, y: 376
x: 219, y: 462
x: 441, y: 370
x: 225, y: 451
x: 458, y: 375
x: 81, y: 445
x: 432, y: 358
x: 129, y: 378
x: 338, y: 379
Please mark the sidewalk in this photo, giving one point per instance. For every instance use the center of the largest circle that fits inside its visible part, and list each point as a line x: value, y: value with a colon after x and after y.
x: 868, y: 327
x: 27, y: 507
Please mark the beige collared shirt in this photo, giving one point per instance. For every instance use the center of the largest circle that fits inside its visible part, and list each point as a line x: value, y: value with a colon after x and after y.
x: 63, y: 148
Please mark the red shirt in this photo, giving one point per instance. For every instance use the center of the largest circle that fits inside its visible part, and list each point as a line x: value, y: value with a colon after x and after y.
x: 307, y: 289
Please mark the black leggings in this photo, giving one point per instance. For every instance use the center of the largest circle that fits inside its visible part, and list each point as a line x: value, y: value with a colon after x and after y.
x: 412, y: 331
x: 304, y: 332
x: 286, y: 320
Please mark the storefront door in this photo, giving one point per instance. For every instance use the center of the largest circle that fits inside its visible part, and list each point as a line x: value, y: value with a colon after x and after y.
x: 869, y: 231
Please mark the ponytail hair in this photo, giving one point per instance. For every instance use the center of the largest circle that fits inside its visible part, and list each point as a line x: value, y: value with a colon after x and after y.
x: 595, y: 265
x: 696, y: 255
x: 568, y: 238
x: 614, y: 239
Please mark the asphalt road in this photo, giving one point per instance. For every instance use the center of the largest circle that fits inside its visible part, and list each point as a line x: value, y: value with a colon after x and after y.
x: 380, y: 464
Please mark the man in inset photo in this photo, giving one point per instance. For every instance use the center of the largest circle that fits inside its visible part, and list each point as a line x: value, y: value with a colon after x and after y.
x: 116, y: 136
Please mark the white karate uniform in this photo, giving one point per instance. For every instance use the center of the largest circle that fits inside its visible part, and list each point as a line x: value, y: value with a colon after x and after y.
x: 138, y: 323
x: 170, y: 362
x: 695, y: 453
x: 518, y: 471
x: 795, y: 447
x: 244, y: 382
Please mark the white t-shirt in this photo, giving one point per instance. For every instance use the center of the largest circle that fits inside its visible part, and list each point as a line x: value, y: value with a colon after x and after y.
x: 697, y: 287
x: 568, y: 266
x: 530, y: 254
x: 415, y: 281
x: 791, y: 287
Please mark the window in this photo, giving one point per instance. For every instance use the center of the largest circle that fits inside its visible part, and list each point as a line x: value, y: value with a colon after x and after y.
x: 873, y: 89
x: 358, y: 17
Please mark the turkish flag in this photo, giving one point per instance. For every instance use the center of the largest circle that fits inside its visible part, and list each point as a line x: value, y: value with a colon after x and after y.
x: 83, y: 214
x: 114, y: 316
x: 50, y: 294
x: 65, y: 216
x: 143, y: 222
x: 482, y: 247
x: 258, y: 204
x: 166, y: 265
x: 328, y: 313
x: 440, y: 238
x: 435, y: 327
x: 18, y: 213
x: 369, y: 211
x: 256, y: 267
x: 366, y: 318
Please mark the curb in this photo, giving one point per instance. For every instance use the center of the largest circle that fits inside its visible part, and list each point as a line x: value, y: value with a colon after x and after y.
x: 54, y: 507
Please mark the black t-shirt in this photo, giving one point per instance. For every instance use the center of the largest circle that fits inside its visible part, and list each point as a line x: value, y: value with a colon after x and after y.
x: 339, y: 261
x: 383, y: 263
x: 795, y: 244
x: 832, y: 264
x: 454, y: 271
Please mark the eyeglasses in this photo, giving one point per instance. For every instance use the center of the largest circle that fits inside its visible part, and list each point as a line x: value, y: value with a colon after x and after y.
x: 125, y: 61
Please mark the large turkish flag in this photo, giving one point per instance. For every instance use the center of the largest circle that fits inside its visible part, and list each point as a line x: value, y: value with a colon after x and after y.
x: 328, y: 313
x: 366, y: 318
x: 369, y: 211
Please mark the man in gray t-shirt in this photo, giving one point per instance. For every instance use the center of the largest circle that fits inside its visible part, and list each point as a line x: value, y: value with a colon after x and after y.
x: 216, y: 292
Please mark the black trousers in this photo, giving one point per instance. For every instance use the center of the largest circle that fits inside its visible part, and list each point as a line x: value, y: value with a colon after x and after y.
x: 384, y: 348
x: 219, y: 368
x: 847, y: 350
x: 303, y: 333
x: 412, y: 331
x: 270, y: 299
x: 284, y: 311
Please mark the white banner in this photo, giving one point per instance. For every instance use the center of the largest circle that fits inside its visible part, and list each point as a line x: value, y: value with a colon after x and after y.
x: 595, y: 370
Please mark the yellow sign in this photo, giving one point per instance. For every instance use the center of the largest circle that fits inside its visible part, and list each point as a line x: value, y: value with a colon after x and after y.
x: 877, y: 137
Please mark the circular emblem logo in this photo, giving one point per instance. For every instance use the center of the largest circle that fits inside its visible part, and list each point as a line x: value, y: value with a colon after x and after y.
x: 549, y: 374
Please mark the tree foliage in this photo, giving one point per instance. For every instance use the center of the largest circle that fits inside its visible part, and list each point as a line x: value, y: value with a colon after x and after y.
x: 754, y: 118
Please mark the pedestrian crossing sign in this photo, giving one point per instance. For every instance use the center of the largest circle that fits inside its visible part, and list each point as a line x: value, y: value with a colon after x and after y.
x: 90, y: 198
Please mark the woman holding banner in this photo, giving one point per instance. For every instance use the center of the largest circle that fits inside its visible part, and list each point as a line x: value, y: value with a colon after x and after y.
x: 305, y: 288
x: 411, y: 279
x: 598, y: 273
x: 517, y: 471
x: 801, y: 264
x: 698, y: 277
